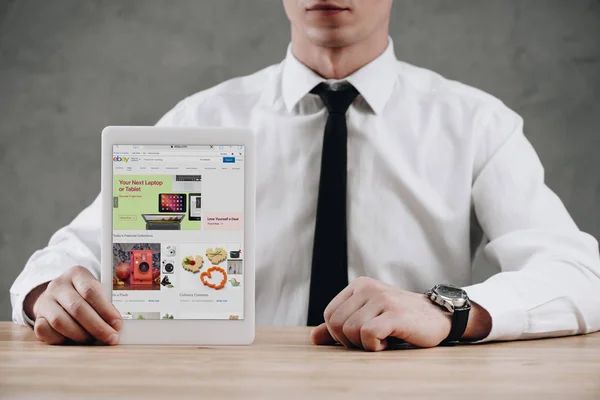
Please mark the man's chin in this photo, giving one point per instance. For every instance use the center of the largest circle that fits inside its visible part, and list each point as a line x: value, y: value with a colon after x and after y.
x: 330, y: 37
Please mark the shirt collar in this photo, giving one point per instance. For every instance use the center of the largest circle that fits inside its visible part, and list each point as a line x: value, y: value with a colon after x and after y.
x: 374, y: 81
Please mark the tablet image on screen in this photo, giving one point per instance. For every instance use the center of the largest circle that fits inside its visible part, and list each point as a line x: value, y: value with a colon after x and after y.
x: 171, y: 202
x: 195, y: 206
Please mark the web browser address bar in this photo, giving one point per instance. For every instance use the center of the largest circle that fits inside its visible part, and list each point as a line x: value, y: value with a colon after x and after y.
x: 178, y: 153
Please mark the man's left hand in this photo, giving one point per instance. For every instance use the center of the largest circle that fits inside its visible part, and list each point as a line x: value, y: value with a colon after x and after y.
x: 368, y: 311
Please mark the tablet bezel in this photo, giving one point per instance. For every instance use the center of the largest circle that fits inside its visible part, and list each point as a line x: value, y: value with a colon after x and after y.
x: 178, y: 332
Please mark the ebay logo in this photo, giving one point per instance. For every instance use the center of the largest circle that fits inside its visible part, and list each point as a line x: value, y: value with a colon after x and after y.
x: 120, y: 159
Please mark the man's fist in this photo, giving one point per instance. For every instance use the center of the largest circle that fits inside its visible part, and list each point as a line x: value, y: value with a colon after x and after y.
x: 368, y: 311
x: 74, y: 307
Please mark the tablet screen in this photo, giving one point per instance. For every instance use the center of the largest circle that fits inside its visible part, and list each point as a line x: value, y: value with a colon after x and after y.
x: 178, y: 231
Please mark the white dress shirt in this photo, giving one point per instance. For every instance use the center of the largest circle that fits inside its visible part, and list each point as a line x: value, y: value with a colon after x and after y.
x: 433, y: 166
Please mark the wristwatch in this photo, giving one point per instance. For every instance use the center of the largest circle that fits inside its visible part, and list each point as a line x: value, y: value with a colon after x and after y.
x: 455, y: 301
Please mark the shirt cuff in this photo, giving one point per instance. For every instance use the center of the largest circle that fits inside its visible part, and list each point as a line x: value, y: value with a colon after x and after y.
x: 28, y: 320
x: 509, y: 319
x: 19, y: 316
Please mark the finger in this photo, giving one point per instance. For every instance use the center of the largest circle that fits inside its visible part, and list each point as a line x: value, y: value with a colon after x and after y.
x: 335, y: 324
x: 356, y: 321
x: 84, y: 314
x: 320, y: 335
x: 373, y: 334
x: 91, y: 291
x: 44, y: 332
x: 338, y: 300
x: 63, y: 323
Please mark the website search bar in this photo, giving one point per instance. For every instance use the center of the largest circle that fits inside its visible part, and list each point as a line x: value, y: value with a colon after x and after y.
x: 159, y: 159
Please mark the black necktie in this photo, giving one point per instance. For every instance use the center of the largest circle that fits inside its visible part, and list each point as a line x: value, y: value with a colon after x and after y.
x: 330, y: 251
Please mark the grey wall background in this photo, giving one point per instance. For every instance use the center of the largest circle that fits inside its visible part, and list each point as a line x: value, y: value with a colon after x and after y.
x: 70, y: 67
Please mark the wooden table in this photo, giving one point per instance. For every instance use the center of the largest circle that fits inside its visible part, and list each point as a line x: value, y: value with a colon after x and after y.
x: 283, y: 364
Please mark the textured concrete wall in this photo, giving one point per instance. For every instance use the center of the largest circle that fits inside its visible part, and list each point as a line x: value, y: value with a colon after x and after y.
x: 70, y: 67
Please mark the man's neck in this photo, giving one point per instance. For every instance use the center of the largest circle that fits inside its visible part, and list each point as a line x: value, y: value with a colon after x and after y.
x: 338, y: 62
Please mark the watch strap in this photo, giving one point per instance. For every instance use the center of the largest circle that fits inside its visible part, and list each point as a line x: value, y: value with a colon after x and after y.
x: 460, y: 318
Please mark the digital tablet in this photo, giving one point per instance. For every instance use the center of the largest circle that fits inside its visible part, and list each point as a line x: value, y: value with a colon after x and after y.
x: 178, y: 233
x: 195, y: 206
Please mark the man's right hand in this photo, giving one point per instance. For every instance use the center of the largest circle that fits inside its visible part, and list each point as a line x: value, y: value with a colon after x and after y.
x: 74, y: 306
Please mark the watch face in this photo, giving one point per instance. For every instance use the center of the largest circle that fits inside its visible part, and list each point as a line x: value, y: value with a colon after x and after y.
x: 450, y: 292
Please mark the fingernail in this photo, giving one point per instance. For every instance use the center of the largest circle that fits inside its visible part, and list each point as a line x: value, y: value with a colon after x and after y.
x: 113, y: 339
x: 117, y: 324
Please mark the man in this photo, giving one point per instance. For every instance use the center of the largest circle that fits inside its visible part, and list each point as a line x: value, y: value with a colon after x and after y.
x: 373, y: 168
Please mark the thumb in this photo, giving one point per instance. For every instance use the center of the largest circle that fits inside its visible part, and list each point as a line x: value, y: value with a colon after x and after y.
x: 321, y: 335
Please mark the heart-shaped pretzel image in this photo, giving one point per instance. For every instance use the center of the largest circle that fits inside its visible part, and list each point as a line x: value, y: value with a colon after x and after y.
x: 207, y: 275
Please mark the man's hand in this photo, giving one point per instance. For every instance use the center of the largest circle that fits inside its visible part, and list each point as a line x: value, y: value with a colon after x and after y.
x: 368, y: 311
x: 74, y: 306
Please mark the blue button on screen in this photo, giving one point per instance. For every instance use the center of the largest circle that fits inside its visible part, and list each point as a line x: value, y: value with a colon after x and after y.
x: 228, y: 159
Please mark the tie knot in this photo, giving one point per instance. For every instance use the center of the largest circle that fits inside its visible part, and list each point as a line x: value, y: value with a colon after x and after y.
x: 336, y: 97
